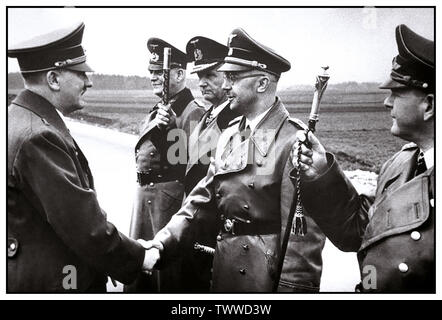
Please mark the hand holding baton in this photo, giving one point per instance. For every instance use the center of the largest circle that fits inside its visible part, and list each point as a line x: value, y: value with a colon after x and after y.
x: 299, y: 228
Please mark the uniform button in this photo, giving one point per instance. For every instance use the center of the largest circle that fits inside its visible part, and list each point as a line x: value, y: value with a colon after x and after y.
x: 242, y: 271
x: 219, y: 238
x: 252, y: 185
x: 415, y: 235
x: 152, y: 154
x: 149, y: 202
x: 259, y: 163
x: 218, y: 195
x: 76, y: 153
x: 160, y: 176
x: 12, y: 246
x: 150, y: 170
x: 245, y: 247
x: 432, y: 202
x: 246, y: 207
x: 151, y: 184
x: 403, y: 267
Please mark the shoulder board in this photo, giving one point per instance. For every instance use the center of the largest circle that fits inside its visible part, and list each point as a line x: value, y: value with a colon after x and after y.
x: 234, y: 121
x: 409, y: 146
x: 298, y: 123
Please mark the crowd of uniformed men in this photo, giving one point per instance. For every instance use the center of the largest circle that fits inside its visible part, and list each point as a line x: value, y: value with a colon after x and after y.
x: 219, y: 176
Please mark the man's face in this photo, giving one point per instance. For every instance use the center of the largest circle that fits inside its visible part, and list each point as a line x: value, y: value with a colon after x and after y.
x: 210, y: 83
x: 157, y: 80
x: 73, y: 84
x: 407, y: 112
x: 240, y: 88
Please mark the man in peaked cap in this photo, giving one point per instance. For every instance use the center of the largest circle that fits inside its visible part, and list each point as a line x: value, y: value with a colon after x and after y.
x: 248, y: 187
x: 160, y: 169
x: 207, y: 56
x: 393, y: 232
x: 58, y: 236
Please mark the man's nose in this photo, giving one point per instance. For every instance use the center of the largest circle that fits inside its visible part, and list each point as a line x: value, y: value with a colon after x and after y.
x: 88, y: 83
x: 388, y: 102
x: 202, y: 83
x: 226, y: 85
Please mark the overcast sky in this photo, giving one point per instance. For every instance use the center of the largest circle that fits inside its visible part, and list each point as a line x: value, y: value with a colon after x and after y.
x: 357, y: 43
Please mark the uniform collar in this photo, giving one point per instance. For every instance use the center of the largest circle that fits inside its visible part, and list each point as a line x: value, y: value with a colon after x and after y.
x: 429, y: 158
x: 43, y: 108
x: 267, y: 127
x: 216, y: 111
x: 181, y: 100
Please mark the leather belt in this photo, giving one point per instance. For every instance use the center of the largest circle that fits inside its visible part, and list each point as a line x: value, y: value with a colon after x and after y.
x: 239, y: 227
x: 147, y: 177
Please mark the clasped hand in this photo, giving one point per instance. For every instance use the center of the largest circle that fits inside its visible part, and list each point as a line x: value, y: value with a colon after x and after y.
x: 313, y: 160
x: 165, y: 116
x: 152, y: 255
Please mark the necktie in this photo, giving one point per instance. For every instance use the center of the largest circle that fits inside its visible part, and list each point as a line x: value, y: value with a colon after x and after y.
x: 209, y: 119
x: 421, y: 167
x: 245, y: 134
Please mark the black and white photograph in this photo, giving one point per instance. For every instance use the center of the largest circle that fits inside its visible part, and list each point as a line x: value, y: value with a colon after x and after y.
x: 220, y: 150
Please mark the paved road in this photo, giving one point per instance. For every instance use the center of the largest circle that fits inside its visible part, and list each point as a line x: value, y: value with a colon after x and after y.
x: 111, y: 158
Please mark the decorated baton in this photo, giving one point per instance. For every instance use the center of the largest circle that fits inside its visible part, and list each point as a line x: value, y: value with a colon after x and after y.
x: 166, y: 75
x: 299, y: 228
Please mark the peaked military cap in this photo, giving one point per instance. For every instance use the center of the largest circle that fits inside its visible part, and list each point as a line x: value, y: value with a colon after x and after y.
x: 156, y: 47
x: 245, y: 53
x: 205, y: 53
x: 60, y: 49
x: 414, y: 65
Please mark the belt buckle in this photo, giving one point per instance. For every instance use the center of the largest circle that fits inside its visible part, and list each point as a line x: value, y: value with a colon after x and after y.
x: 229, y: 225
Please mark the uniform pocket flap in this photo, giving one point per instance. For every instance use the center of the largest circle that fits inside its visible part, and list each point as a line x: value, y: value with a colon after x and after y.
x: 404, y: 209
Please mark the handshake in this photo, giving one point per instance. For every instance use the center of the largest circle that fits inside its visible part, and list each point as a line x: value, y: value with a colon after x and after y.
x: 152, y: 255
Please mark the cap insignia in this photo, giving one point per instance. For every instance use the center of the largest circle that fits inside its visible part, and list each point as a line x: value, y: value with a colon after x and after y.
x: 198, y: 54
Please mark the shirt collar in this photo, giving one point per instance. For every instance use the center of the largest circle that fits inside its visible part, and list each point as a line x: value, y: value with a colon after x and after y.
x: 216, y: 111
x: 62, y: 116
x: 429, y: 158
x: 253, y: 123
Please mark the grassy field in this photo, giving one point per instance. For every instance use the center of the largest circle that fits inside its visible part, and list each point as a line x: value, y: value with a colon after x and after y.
x: 354, y: 126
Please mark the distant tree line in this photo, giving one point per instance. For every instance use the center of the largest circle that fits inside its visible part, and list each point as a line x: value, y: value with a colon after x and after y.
x: 118, y: 82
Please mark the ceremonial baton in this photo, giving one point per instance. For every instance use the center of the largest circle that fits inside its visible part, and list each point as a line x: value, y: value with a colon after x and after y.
x: 166, y: 75
x: 296, y: 210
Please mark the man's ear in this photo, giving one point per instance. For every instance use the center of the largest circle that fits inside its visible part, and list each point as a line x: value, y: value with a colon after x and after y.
x: 263, y: 84
x: 180, y: 74
x: 429, y: 107
x: 53, y: 80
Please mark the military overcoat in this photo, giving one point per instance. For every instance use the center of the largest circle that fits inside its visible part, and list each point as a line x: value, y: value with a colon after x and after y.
x: 249, y: 190
x: 161, y: 157
x: 54, y: 219
x: 392, y: 232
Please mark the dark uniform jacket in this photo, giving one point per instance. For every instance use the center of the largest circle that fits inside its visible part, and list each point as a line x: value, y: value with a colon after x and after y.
x: 161, y: 166
x: 392, y: 232
x: 202, y: 146
x: 248, y: 187
x: 54, y: 219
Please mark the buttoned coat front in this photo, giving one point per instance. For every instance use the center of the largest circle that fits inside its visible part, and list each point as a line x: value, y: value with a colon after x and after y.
x: 202, y: 147
x: 248, y: 186
x: 392, y: 232
x: 54, y: 219
x: 163, y: 155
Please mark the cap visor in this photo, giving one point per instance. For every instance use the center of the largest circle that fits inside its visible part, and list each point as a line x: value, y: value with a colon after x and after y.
x: 84, y: 67
x: 203, y: 67
x: 230, y: 67
x: 391, y: 84
x: 155, y: 67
